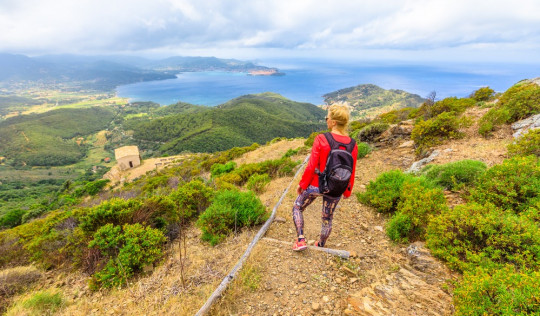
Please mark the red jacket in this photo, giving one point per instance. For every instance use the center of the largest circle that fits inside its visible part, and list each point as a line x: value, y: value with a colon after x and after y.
x: 319, y: 155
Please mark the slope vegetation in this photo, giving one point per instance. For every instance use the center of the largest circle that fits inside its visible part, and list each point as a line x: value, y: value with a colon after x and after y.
x: 239, y: 122
x: 369, y: 96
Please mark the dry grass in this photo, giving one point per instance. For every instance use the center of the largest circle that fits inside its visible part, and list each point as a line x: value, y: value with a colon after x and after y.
x: 270, y: 152
x: 15, y: 280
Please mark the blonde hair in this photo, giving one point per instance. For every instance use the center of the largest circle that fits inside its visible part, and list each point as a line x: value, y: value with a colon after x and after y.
x: 340, y: 113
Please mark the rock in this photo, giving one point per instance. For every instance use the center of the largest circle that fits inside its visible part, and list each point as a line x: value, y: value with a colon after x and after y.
x: 327, y: 312
x: 379, y: 228
x: 326, y: 299
x: 311, y: 242
x: 523, y: 126
x: 407, y: 144
x: 353, y: 254
x: 421, y: 259
x: 348, y: 312
x: 278, y: 219
x: 364, y: 226
x: 417, y: 166
x: 315, y: 307
x: 348, y: 271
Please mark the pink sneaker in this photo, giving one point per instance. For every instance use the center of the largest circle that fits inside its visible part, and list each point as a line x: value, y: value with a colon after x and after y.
x: 299, y: 245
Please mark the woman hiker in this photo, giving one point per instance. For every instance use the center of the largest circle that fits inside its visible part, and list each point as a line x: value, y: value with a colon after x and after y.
x: 337, y: 120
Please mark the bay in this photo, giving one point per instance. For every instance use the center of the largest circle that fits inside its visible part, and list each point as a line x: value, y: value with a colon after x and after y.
x: 308, y: 81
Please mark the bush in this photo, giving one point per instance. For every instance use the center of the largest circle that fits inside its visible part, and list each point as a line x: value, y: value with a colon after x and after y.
x: 417, y: 205
x: 454, y: 175
x: 518, y: 102
x: 258, y: 182
x: 291, y: 152
x: 399, y: 227
x: 218, y: 169
x: 512, y: 185
x: 454, y: 105
x: 274, y: 168
x: 32, y: 213
x: 42, y: 303
x: 433, y: 131
x: 383, y: 193
x: 363, y: 149
x: 395, y: 116
x: 155, y: 182
x: 128, y: 249
x: 230, y: 210
x: 94, y: 187
x: 12, y: 218
x: 527, y: 144
x: 483, y: 94
x: 506, y: 291
x: 371, y: 131
x: 114, y: 211
x: 192, y: 198
x: 482, y: 235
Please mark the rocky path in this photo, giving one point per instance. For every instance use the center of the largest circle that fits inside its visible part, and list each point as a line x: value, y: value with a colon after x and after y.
x: 381, y: 279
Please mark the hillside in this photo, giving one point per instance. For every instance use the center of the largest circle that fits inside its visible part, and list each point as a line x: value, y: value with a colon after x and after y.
x: 49, y: 139
x: 190, y: 222
x: 367, y: 99
x: 239, y: 122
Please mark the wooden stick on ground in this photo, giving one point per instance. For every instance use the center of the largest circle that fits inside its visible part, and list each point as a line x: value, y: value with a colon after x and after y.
x: 229, y: 277
x: 336, y: 252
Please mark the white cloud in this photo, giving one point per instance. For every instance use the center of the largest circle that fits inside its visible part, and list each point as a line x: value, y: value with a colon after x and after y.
x: 102, y: 26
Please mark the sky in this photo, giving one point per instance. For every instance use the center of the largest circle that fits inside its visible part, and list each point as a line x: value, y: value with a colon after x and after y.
x: 416, y: 30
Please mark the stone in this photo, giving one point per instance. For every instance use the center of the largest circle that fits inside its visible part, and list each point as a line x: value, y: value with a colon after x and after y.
x: 326, y: 299
x: 364, y: 226
x: 348, y: 271
x: 278, y: 219
x: 407, y: 144
x: 315, y: 307
x: 311, y: 242
x: 417, y: 165
x: 379, y: 228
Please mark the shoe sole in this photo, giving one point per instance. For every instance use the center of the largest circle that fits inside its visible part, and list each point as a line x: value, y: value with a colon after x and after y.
x: 300, y: 248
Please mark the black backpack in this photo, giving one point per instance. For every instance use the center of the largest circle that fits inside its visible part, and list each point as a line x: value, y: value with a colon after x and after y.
x: 334, y: 180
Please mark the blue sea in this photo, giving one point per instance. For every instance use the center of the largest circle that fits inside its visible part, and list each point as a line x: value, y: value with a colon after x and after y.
x: 308, y: 81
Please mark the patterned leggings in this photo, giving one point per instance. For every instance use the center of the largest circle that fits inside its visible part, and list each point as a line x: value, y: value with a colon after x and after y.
x: 304, y: 200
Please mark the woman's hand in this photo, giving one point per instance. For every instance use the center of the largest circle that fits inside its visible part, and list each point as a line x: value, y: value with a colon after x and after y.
x: 299, y: 190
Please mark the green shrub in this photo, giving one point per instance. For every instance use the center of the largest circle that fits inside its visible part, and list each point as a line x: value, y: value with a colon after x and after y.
x: 228, y: 155
x: 518, y: 102
x: 399, y: 227
x: 363, y: 149
x: 192, y: 198
x: 31, y: 214
x: 383, y: 193
x: 395, y: 116
x: 483, y: 94
x: 433, y: 131
x: 114, y: 211
x: 371, y: 131
x: 511, y: 185
x: 230, y: 210
x: 94, y: 187
x: 454, y: 105
x: 417, y: 205
x: 454, y: 175
x: 527, y: 144
x: 274, y: 168
x: 12, y: 218
x: 155, y: 182
x: 127, y: 249
x: 291, y: 152
x: 44, y: 303
x: 472, y: 234
x: 156, y: 211
x: 505, y: 291
x: 258, y: 182
x: 218, y: 169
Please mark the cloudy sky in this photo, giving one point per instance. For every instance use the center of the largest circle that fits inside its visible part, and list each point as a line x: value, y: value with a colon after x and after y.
x: 473, y: 30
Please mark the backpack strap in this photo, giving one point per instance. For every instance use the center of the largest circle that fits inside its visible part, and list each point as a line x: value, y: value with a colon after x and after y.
x: 334, y: 144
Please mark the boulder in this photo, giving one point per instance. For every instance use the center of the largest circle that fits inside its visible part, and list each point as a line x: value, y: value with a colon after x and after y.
x: 521, y: 127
